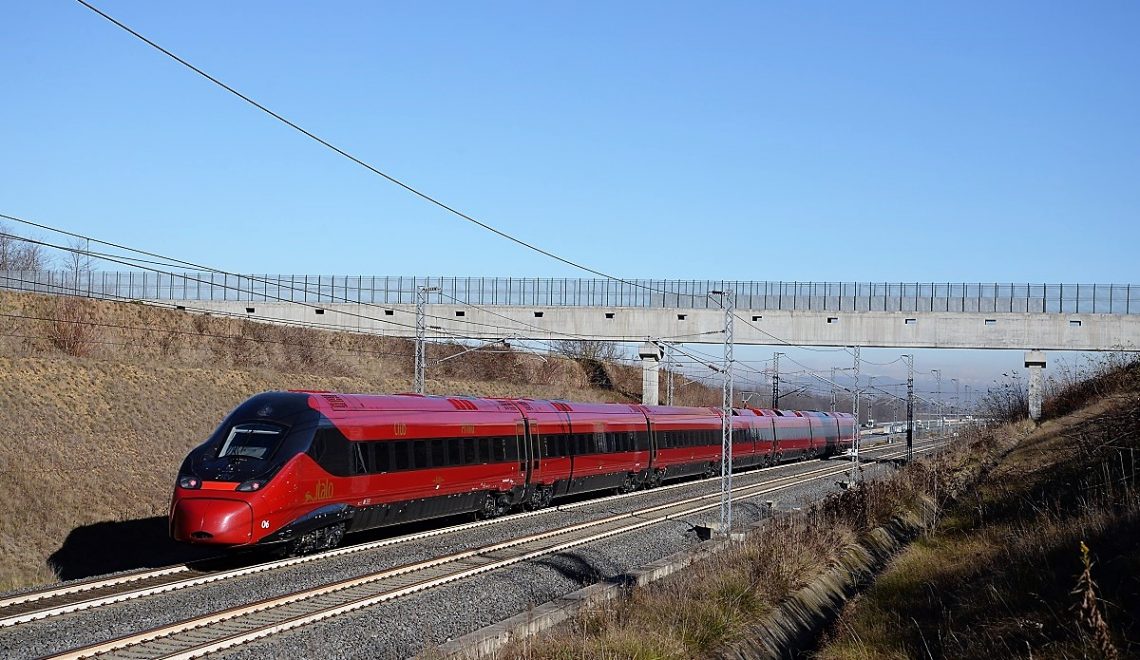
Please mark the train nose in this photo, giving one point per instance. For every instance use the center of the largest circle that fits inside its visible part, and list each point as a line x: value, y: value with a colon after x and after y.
x: 209, y: 520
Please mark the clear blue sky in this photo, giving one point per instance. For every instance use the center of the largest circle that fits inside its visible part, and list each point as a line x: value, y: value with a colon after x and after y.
x: 886, y: 141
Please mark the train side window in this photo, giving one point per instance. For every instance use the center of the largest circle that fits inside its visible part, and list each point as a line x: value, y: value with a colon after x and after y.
x: 484, y: 450
x: 498, y: 450
x: 381, y: 456
x: 454, y: 451
x: 401, y: 454
x: 420, y: 453
x: 470, y: 452
x: 438, y: 452
x: 512, y: 443
x: 359, y: 462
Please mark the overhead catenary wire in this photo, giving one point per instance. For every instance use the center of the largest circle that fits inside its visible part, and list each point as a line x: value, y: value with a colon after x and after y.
x: 390, y: 178
x: 375, y: 170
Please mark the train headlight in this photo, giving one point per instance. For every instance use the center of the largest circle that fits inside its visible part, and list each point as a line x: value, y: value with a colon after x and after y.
x: 189, y: 482
x: 251, y: 485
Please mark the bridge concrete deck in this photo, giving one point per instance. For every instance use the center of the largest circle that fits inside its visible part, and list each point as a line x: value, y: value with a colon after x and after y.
x: 965, y: 330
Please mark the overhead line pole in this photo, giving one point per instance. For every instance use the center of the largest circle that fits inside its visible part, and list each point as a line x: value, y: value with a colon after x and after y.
x: 776, y: 380
x: 910, y: 404
x: 726, y: 417
x: 834, y: 390
x: 421, y: 331
x: 856, y: 477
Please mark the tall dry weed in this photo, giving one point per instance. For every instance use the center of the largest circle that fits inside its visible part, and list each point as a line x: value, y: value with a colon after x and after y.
x: 1088, y: 609
x: 72, y: 332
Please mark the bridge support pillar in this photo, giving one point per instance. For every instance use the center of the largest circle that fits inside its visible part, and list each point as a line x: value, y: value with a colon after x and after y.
x: 1035, y: 362
x: 650, y: 355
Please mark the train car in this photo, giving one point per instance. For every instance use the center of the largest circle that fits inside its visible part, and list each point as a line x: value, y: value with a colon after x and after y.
x: 584, y: 447
x: 837, y: 430
x: 304, y: 468
x: 847, y: 431
x: 686, y: 442
x: 766, y: 448
x: 793, y: 436
x: 751, y: 447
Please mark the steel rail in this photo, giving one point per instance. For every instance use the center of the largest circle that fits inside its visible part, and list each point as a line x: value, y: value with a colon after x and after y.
x: 213, y: 632
x: 100, y: 592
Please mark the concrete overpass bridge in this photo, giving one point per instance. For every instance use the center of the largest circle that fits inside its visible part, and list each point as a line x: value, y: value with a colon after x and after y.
x: 1030, y: 317
x: 1067, y: 317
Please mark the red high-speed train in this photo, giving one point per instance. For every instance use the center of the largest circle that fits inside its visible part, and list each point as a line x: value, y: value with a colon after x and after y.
x: 303, y: 468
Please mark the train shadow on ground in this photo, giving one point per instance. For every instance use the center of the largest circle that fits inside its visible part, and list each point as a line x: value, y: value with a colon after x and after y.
x: 109, y: 547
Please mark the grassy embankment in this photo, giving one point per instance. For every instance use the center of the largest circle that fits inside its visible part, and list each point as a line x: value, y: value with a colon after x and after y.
x: 101, y: 401
x: 996, y: 572
x: 1004, y: 573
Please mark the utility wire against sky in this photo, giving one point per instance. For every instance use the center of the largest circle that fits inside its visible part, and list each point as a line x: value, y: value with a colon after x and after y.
x: 422, y: 195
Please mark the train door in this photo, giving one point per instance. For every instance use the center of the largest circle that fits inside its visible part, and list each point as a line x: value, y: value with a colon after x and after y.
x: 528, y: 454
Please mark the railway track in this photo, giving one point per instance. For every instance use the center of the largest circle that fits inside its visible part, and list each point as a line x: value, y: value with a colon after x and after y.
x: 232, y: 627
x: 100, y: 592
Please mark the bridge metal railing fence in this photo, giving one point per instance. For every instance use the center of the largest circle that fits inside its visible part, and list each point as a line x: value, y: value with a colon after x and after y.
x: 559, y: 292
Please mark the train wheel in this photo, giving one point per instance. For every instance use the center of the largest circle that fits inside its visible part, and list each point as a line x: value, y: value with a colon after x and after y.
x: 494, y: 506
x: 316, y: 540
x: 627, y: 485
x: 539, y: 497
x: 489, y: 510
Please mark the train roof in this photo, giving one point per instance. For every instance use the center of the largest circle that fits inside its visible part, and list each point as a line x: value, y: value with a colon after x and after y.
x: 329, y: 402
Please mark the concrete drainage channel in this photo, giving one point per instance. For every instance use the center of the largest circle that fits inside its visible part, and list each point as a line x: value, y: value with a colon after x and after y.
x: 793, y: 626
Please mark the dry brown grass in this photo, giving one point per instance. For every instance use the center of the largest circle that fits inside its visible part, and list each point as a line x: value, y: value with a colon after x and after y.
x: 97, y: 435
x: 1004, y: 575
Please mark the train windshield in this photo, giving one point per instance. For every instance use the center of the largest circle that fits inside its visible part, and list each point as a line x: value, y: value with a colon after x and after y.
x: 253, y: 440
